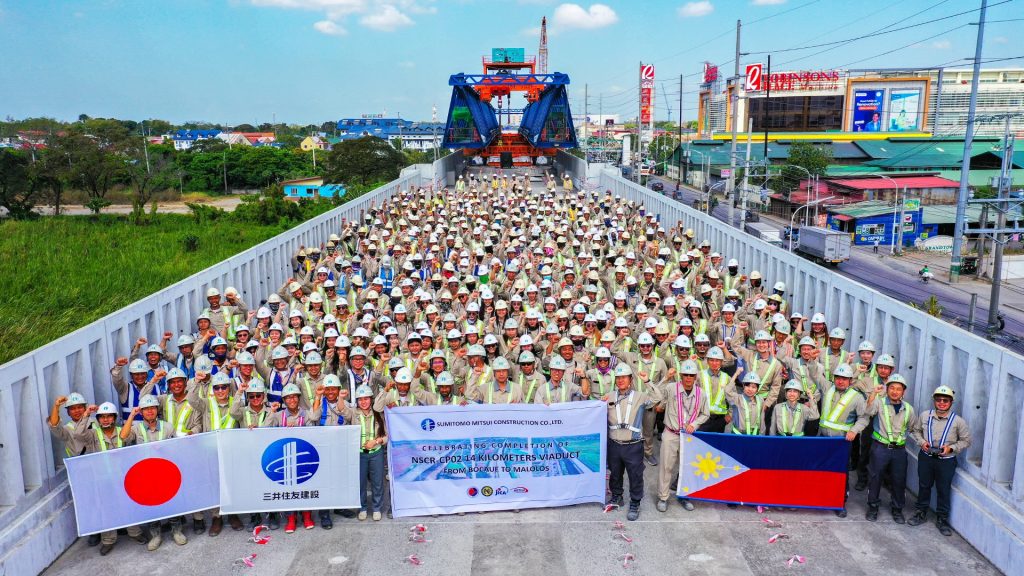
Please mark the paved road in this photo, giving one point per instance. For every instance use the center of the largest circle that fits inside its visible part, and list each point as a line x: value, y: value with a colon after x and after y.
x: 897, y: 277
x: 577, y: 540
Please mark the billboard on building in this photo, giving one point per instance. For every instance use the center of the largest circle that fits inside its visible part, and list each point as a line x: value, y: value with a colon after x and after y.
x: 904, y: 109
x: 868, y: 112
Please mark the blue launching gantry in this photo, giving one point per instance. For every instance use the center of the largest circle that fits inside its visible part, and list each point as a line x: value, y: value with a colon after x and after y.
x: 474, y: 123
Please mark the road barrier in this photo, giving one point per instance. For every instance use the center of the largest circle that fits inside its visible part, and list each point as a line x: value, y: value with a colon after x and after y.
x: 36, y: 516
x: 988, y: 500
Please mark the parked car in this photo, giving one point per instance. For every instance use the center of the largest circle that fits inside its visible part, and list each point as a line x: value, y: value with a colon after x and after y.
x: 658, y: 186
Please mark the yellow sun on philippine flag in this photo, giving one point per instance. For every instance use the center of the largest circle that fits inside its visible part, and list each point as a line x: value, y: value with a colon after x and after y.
x: 707, y: 466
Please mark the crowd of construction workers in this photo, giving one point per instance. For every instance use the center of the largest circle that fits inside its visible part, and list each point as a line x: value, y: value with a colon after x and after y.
x: 502, y: 290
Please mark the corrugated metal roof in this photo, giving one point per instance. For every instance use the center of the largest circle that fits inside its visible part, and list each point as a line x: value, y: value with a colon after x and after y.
x: 946, y: 214
x: 862, y: 209
x: 913, y: 183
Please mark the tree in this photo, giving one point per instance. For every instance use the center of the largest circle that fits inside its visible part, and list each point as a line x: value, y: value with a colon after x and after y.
x: 245, y: 128
x: 814, y: 159
x: 150, y: 169
x: 53, y: 172
x: 94, y: 168
x: 17, y: 187
x: 363, y: 161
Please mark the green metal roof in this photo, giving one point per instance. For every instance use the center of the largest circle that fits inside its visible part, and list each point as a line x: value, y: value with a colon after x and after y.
x: 862, y: 209
x: 946, y: 214
x: 983, y: 177
x: 919, y: 160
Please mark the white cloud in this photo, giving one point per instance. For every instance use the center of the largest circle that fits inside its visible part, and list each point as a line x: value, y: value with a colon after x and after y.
x: 381, y: 15
x: 330, y: 28
x: 575, y: 16
x: 696, y: 9
x: 767, y: 2
x: 1001, y: 40
x: 942, y: 45
x: 409, y: 64
x: 386, y: 18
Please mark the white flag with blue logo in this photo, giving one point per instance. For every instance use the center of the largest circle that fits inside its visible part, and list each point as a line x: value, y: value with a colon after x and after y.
x: 288, y: 469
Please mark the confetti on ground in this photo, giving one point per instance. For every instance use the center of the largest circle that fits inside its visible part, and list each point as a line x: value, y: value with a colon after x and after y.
x: 796, y: 558
x: 420, y: 528
x: 776, y: 537
x: 769, y: 523
x: 618, y: 525
x: 413, y: 559
x: 418, y: 538
x: 256, y: 538
x: 760, y: 509
x: 627, y: 559
x: 337, y: 560
x: 246, y: 561
x: 610, y: 507
x: 624, y: 537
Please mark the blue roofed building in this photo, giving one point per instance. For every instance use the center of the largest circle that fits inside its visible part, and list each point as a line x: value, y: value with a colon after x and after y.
x: 184, y: 139
x: 421, y: 136
x: 311, y: 187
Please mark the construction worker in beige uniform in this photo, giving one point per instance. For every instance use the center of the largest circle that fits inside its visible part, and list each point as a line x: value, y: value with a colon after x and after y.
x: 151, y: 429
x: 764, y: 364
x: 100, y: 438
x: 790, y: 418
x: 844, y: 413
x: 686, y: 409
x: 808, y: 372
x: 893, y: 419
x: 942, y: 435
x: 211, y: 414
x: 649, y: 372
x: 626, y: 407
x: 76, y: 407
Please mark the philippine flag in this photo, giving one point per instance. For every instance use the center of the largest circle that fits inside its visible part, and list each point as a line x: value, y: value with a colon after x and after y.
x: 801, y: 472
x: 143, y: 483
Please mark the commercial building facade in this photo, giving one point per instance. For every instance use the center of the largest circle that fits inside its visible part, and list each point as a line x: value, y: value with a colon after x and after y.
x: 891, y: 100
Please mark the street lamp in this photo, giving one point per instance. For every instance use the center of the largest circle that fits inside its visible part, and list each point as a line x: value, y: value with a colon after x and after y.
x: 895, y: 212
x: 792, y: 220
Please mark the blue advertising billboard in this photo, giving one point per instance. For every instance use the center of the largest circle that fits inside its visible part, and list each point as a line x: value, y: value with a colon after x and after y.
x: 868, y: 110
x: 904, y: 109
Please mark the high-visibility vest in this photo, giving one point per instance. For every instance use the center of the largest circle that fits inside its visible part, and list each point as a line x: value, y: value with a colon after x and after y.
x: 248, y: 418
x: 762, y: 394
x: 831, y: 418
x: 142, y: 430
x: 367, y: 431
x: 887, y: 435
x: 177, y: 418
x: 751, y: 424
x: 219, y: 421
x: 791, y: 428
x: 716, y: 401
x: 101, y: 441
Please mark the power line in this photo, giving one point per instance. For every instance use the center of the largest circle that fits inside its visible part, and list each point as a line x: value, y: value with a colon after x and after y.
x: 875, y: 34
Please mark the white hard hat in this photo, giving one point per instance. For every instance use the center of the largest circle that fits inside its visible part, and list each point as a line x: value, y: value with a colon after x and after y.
x: 290, y: 390
x: 500, y: 363
x: 211, y: 292
x: 645, y: 339
x: 682, y: 341
x: 106, y: 408
x: 623, y: 369
x: 74, y: 399
x: 312, y: 358
x: 844, y: 370
x: 137, y: 366
x: 363, y: 391
x: 279, y: 353
x: 688, y: 367
x: 866, y: 346
x: 403, y: 376
x: 715, y: 353
x: 148, y: 401
x: 186, y: 340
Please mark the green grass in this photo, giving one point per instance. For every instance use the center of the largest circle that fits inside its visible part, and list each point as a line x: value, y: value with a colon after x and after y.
x: 59, y: 274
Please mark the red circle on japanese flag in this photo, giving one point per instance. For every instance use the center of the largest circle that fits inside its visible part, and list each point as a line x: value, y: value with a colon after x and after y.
x: 152, y: 482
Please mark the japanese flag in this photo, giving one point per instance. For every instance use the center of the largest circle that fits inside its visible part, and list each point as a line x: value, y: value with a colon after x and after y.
x: 143, y: 483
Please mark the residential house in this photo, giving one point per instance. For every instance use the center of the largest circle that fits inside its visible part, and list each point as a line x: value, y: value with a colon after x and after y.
x: 184, y: 139
x: 311, y: 187
x: 310, y: 142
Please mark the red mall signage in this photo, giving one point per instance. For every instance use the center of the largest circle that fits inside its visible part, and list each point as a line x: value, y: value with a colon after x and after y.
x: 803, y: 80
x: 710, y: 72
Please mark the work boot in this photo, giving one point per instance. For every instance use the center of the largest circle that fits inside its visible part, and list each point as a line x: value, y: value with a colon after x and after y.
x: 841, y: 513
x: 918, y: 518
x: 362, y: 515
x: 376, y: 516
x: 179, y: 536
x: 254, y: 521
x: 616, y: 500
x: 235, y: 523
x: 198, y: 526
x: 307, y: 520
x: 651, y: 460
x: 325, y: 520
x: 94, y: 540
x: 662, y: 505
x: 943, y: 525
x: 216, y: 526
x: 155, y: 542
x: 897, y: 516
x: 634, y: 511
x: 274, y: 521
x: 140, y: 538
x: 872, y: 514
x: 860, y: 485
x: 289, y: 526
x: 105, y: 549
x: 687, y: 505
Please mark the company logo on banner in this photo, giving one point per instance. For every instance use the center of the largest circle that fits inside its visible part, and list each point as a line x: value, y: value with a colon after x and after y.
x: 445, y: 459
x: 755, y: 74
x: 282, y: 469
x: 290, y: 461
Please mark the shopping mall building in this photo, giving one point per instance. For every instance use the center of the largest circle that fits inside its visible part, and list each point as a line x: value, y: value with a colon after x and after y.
x: 889, y: 101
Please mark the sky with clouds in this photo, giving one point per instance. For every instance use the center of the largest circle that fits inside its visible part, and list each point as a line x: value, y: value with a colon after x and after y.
x: 308, y: 61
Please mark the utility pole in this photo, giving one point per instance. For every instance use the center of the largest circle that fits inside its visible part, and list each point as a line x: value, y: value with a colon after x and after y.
x: 767, y: 99
x: 679, y: 173
x: 586, y: 119
x: 145, y: 148
x: 965, y: 166
x: 746, y: 176
x: 998, y: 238
x: 639, y: 118
x: 734, y: 100
x: 225, y: 171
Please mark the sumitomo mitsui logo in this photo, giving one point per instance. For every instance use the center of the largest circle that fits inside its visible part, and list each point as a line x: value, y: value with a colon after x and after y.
x: 427, y: 424
x: 290, y: 461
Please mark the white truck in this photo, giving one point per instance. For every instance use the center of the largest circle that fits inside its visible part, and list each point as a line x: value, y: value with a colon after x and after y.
x: 765, y: 232
x: 824, y: 245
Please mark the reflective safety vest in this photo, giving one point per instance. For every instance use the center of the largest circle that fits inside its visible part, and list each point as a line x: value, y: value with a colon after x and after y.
x: 751, y: 423
x: 887, y: 435
x: 142, y: 430
x: 70, y: 428
x: 835, y: 410
x: 716, y: 399
x: 101, y: 440
x: 219, y: 421
x: 562, y: 389
x: 788, y: 421
x: 761, y: 392
x: 490, y: 392
x: 177, y: 418
x: 367, y: 425
x: 248, y: 418
x: 601, y: 383
x: 843, y: 357
x: 806, y: 383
